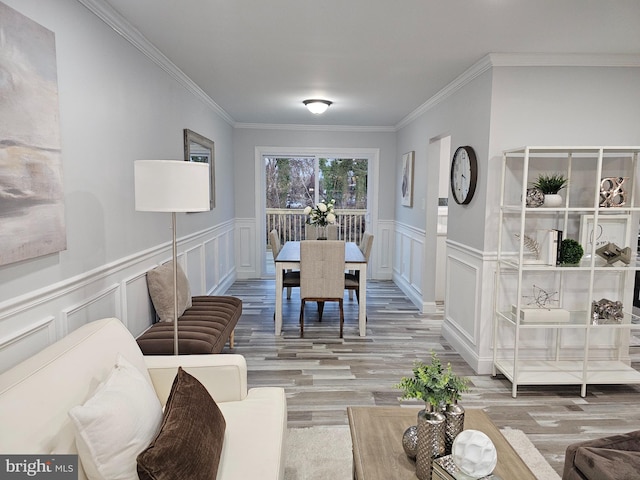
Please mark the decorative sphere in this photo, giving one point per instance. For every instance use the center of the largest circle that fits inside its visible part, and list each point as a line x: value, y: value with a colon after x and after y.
x: 535, y: 197
x: 474, y: 453
x: 410, y: 441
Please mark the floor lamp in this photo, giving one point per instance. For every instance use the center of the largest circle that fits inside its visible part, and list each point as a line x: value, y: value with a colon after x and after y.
x: 172, y: 186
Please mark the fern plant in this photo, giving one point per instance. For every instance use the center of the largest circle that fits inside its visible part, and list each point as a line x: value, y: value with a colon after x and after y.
x: 432, y: 383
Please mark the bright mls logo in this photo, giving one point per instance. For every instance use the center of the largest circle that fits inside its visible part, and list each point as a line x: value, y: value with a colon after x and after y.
x: 51, y: 467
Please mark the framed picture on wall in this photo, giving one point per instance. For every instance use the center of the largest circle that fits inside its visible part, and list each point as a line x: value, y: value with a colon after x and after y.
x: 406, y: 188
x: 198, y: 148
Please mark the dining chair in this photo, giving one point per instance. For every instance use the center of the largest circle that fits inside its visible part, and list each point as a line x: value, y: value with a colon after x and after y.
x: 290, y: 278
x: 352, y: 278
x: 311, y: 232
x: 321, y: 276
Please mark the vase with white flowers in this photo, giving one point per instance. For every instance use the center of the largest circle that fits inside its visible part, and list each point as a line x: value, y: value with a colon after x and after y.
x: 321, y: 215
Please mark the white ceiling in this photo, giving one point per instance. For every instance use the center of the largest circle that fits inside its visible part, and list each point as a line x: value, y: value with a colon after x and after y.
x: 377, y: 60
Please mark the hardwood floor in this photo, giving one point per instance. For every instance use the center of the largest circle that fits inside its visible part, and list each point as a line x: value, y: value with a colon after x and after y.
x: 323, y: 374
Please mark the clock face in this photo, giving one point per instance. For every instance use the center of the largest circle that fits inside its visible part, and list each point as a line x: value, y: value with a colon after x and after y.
x: 464, y: 175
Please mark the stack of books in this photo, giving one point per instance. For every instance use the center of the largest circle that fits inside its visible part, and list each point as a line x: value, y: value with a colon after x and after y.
x: 545, y: 247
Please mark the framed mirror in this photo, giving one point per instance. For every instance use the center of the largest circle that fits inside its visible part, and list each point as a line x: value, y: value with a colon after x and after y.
x: 200, y: 149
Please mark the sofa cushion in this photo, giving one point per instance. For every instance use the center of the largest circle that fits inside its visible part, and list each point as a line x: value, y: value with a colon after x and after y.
x: 257, y: 424
x: 607, y: 463
x: 116, y: 423
x: 190, y: 440
x: 160, y: 284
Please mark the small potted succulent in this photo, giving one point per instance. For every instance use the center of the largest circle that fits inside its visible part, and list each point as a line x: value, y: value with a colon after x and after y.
x: 550, y: 185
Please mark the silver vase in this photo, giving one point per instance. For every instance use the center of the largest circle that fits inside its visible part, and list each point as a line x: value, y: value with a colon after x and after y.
x: 454, y: 415
x: 431, y: 440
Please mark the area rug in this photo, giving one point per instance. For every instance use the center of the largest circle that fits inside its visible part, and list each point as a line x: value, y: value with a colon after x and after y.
x: 321, y: 453
x: 529, y: 454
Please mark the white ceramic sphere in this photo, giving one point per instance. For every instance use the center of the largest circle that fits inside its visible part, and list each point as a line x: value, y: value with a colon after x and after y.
x: 474, y: 453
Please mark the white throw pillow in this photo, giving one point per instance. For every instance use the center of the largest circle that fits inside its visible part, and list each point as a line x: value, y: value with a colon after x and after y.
x: 117, y: 423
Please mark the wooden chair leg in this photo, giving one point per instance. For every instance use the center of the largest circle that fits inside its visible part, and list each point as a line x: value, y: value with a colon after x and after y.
x: 341, y: 316
x: 301, y: 318
x: 232, y: 337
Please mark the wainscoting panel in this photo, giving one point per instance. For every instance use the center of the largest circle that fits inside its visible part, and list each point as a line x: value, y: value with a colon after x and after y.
x: 24, y: 342
x: 102, y: 305
x: 461, y: 300
x: 246, y: 258
x: 408, y: 263
x: 211, y: 273
x: 468, y: 321
x: 196, y: 274
x: 118, y: 289
x: 381, y: 260
x: 137, y: 312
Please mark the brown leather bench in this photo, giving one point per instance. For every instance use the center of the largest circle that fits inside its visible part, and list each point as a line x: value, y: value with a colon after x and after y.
x: 205, y: 323
x: 203, y: 328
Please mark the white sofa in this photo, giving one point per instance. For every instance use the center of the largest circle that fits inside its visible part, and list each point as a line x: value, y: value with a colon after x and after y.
x: 36, y: 395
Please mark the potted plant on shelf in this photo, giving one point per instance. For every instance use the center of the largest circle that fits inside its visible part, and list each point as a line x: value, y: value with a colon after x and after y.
x: 550, y: 185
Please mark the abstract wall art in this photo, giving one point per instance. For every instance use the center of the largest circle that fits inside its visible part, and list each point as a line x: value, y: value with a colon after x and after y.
x: 32, y: 220
x: 406, y: 187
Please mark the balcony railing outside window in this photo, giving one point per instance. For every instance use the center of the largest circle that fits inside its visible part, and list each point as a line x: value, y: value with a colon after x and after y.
x: 290, y: 223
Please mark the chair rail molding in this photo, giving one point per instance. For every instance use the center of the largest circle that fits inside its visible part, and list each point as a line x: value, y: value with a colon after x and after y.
x: 117, y: 289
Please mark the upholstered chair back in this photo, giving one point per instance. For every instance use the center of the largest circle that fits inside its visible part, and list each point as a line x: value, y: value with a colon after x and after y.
x: 311, y: 232
x: 366, y: 244
x: 321, y: 269
x: 274, y: 241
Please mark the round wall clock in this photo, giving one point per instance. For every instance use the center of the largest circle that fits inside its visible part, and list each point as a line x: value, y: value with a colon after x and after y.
x: 464, y: 175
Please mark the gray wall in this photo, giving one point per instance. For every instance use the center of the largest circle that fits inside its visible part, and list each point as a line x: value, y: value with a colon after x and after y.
x: 116, y: 106
x: 571, y: 106
x: 465, y: 116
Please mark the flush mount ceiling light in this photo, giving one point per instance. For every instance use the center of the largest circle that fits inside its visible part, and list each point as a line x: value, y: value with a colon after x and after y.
x: 317, y: 106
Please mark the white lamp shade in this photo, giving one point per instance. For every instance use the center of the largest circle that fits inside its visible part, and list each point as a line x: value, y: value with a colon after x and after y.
x: 171, y: 186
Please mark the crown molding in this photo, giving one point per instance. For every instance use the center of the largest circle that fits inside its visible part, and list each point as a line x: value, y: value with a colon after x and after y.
x: 463, y: 79
x: 127, y: 31
x: 563, y: 60
x: 313, y: 128
x: 520, y: 60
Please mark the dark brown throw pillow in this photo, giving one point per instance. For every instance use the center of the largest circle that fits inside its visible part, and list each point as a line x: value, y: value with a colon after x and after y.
x: 189, y: 443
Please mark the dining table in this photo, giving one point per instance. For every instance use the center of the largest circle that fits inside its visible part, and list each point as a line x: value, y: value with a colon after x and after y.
x: 289, y: 259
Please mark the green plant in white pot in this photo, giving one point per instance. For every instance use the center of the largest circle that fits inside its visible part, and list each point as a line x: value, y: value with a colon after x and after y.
x: 550, y: 185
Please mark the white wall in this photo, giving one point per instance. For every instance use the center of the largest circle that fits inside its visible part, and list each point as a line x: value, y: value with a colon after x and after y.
x: 116, y: 106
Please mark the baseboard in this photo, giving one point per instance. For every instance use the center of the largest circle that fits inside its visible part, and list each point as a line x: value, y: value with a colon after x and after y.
x: 482, y: 366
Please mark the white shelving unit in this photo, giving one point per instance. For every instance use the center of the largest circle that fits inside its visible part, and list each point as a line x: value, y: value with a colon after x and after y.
x: 569, y: 349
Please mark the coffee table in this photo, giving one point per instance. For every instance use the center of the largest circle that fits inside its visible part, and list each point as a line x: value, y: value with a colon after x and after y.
x: 376, y: 435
